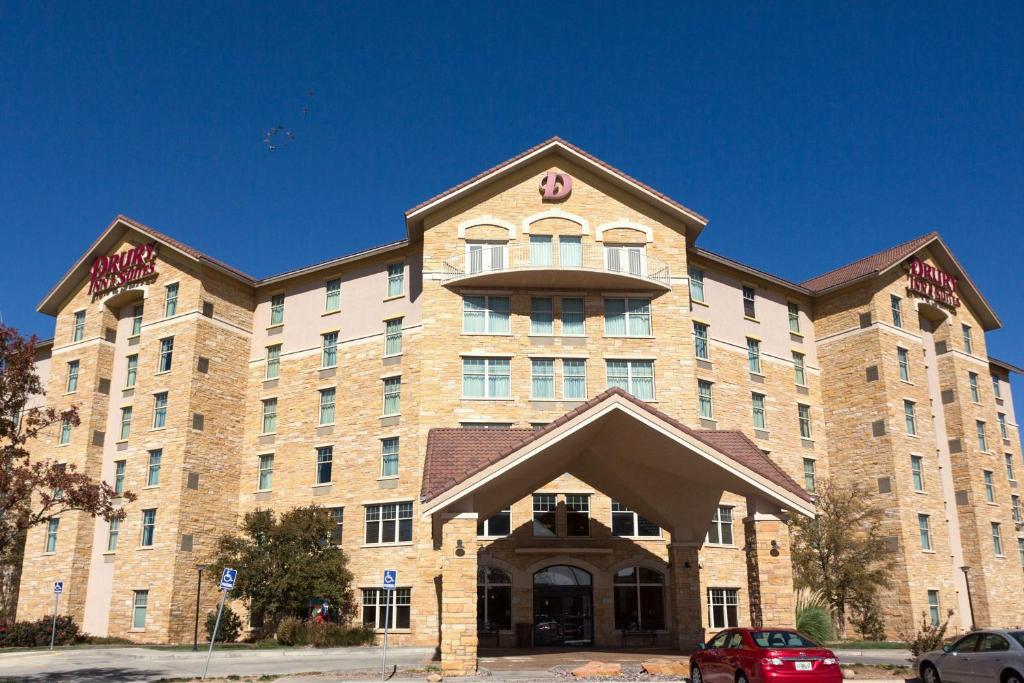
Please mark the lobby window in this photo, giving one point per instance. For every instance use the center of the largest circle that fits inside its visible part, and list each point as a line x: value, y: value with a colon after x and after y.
x: 622, y: 258
x: 720, y: 532
x: 972, y: 381
x: 903, y: 358
x: 485, y: 256
x: 997, y: 390
x: 997, y: 538
x: 754, y: 355
x: 757, y: 405
x: 389, y: 457
x: 393, y: 337
x: 639, y: 599
x: 170, y: 300
x: 140, y: 601
x: 396, y: 279
x: 65, y: 432
x: 574, y: 378
x: 799, y: 371
x: 338, y: 529
x: 570, y: 251
x: 924, y: 527
x: 486, y: 378
x: 573, y: 317
x: 273, y: 362
x: 392, y: 395
x: 132, y: 372
x: 804, y: 415
x: 627, y: 317
x: 277, y: 310
x: 544, y: 514
x: 540, y: 251
x: 635, y: 376
x: 542, y: 374
x: 327, y: 399
x: 497, y: 525
x: 485, y: 314
x: 1009, y: 466
x: 749, y: 308
x: 113, y: 531
x: 1001, y: 418
x: 119, y: 469
x: 71, y: 383
x: 324, y: 464
x: 136, y: 320
x: 629, y: 524
x: 723, y: 608
x: 126, y: 422
x: 78, y: 328
x: 148, y: 527
x: 794, y: 317
x: 377, y: 611
x: 266, y: 472
x: 389, y: 523
x: 910, y: 416
x: 968, y: 342
x: 153, y: 472
x: 696, y: 285
x: 933, y: 608
x: 990, y: 489
x: 51, y: 535
x: 329, y: 354
x: 493, y: 599
x: 810, y: 475
x: 159, y: 410
x: 269, y: 415
x: 542, y: 316
x: 166, y: 354
x: 577, y: 515
x: 1015, y: 509
x: 982, y: 436
x: 700, y: 340
x: 897, y: 312
x: 332, y: 295
x: 917, y: 472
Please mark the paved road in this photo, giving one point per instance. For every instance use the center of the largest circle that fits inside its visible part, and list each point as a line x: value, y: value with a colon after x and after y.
x: 894, y: 657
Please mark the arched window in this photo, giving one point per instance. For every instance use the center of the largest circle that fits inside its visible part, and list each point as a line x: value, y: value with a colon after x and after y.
x: 493, y: 599
x: 639, y: 599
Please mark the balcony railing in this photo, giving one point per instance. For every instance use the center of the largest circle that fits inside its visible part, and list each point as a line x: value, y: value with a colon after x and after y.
x: 554, y: 264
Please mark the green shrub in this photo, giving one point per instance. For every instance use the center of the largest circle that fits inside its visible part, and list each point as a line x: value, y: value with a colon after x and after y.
x: 37, y: 633
x: 230, y: 625
x: 813, y: 618
x: 295, y: 632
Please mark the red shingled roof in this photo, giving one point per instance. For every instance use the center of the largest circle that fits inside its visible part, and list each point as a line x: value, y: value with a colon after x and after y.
x: 869, y: 265
x: 454, y: 455
x: 191, y: 251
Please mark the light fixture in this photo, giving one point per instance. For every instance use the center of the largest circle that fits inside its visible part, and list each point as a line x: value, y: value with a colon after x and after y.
x: 775, y: 545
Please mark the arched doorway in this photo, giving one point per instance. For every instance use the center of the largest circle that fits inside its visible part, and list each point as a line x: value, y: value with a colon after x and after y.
x: 563, y: 606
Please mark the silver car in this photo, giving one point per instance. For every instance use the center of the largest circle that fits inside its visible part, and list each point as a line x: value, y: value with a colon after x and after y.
x: 990, y: 656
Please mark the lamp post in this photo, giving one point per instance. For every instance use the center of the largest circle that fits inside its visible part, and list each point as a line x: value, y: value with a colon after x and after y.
x: 199, y: 586
x: 967, y: 582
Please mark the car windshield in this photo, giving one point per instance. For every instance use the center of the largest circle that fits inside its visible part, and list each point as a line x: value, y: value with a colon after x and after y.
x: 1018, y: 636
x: 777, y: 639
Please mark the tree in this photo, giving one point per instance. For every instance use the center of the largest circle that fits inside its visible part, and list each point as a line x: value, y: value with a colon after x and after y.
x: 283, y: 564
x: 842, y: 552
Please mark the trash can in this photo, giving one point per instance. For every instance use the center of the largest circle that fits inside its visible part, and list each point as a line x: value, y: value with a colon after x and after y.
x: 524, y: 635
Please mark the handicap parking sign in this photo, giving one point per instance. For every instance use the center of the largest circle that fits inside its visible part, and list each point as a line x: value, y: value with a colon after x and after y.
x: 390, y: 579
x: 58, y: 587
x: 227, y: 578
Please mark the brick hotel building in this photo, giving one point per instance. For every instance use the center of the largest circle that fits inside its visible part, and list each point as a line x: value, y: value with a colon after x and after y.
x: 547, y: 408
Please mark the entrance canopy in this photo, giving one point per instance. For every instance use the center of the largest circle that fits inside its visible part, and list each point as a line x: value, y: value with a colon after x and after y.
x: 623, y: 447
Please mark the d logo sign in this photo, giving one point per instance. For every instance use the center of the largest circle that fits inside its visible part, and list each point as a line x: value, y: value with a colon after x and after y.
x: 555, y: 186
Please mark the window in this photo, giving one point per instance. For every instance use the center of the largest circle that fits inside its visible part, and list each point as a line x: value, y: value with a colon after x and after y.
x: 393, y: 337
x: 624, y: 259
x: 696, y: 285
x: 126, y: 422
x: 273, y: 362
x: 119, y: 468
x: 170, y: 300
x: 72, y: 380
x: 794, y: 318
x: 574, y: 378
x: 277, y: 309
x: 113, y: 531
x: 131, y: 375
x: 381, y: 606
x: 540, y: 250
x: 635, y: 376
x: 266, y: 476
x: 327, y: 397
x: 972, y: 380
x: 903, y: 357
x: 810, y: 475
x: 577, y: 515
x: 136, y: 320
x: 389, y: 523
x: 153, y: 473
x: 1020, y: 543
x: 723, y: 608
x: 159, y: 410
x: 997, y: 538
x: 51, y: 535
x: 329, y: 355
x: 78, y: 328
x: 754, y: 355
x: 570, y: 251
x: 324, y: 464
x: 627, y: 317
x: 485, y: 314
x: 493, y: 599
x: 544, y: 514
x: 498, y: 524
x: 332, y: 295
x: 933, y: 607
x: 543, y: 378
x: 1001, y: 417
x: 720, y: 532
x: 269, y: 415
x: 396, y: 279
x: 917, y: 472
x: 485, y: 256
x: 148, y: 527
x: 486, y: 378
x: 910, y: 416
x: 573, y: 317
x: 757, y: 401
x: 65, y: 432
x: 804, y: 416
x: 700, y: 340
x: 541, y: 316
x: 924, y: 527
x: 389, y: 457
x: 990, y: 489
x: 628, y: 524
x: 749, y: 309
x: 705, y: 403
x: 968, y: 343
x: 166, y: 354
x: 799, y: 373
x: 1015, y: 509
x: 139, y: 603
x: 1009, y: 466
x: 982, y: 437
x: 997, y: 390
x: 639, y: 599
x: 392, y: 395
x: 897, y: 312
x: 337, y: 531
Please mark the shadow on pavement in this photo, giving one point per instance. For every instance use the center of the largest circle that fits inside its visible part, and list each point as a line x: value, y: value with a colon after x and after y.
x: 89, y: 675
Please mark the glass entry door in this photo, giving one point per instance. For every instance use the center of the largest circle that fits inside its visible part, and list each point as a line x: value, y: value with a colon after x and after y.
x: 562, y: 607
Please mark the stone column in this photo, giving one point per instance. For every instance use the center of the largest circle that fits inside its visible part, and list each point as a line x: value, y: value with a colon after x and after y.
x: 458, y: 594
x: 769, y: 570
x: 687, y: 610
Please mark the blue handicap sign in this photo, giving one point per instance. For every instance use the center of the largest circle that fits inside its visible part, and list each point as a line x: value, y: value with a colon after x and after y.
x: 390, y: 579
x: 58, y: 587
x: 227, y: 578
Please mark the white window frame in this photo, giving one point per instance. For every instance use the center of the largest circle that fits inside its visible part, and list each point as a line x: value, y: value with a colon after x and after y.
x: 171, y: 299
x: 389, y: 456
x: 268, y: 413
x: 161, y: 400
x: 277, y: 309
x: 393, y: 329
x: 396, y: 274
x: 799, y: 369
x: 329, y: 350
x: 324, y: 456
x: 493, y: 256
x: 78, y: 326
x: 620, y: 509
x: 903, y: 361
x: 487, y: 374
x: 131, y: 375
x: 803, y: 412
x: 924, y: 531
x: 631, y: 376
x: 327, y: 406
x: 71, y: 383
x: 696, y: 277
x: 626, y: 258
x: 582, y: 313
x: 793, y: 310
x: 572, y: 379
x: 265, y: 472
x: 488, y: 311
x: 165, y: 359
x: 917, y: 473
x: 273, y: 362
x: 754, y: 356
x: 401, y: 511
x: 724, y: 598
x: 542, y: 369
x: 644, y: 315
x: 701, y: 333
x: 721, y: 522
x: 332, y: 295
x: 705, y: 398
x: 391, y: 389
x: 542, y: 322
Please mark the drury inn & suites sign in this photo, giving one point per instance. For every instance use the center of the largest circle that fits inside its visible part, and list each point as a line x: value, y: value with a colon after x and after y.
x: 109, y: 272
x: 931, y: 283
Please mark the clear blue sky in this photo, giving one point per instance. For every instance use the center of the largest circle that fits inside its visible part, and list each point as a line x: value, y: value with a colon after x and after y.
x: 808, y: 132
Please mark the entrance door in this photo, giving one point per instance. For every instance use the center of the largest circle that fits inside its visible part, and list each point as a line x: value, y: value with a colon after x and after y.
x: 563, y: 607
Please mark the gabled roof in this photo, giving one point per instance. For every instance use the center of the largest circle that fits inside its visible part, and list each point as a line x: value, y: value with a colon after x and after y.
x: 1003, y: 365
x: 555, y: 146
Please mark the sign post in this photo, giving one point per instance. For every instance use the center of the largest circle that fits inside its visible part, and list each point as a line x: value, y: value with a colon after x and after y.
x: 390, y: 578
x: 227, y: 582
x: 58, y: 588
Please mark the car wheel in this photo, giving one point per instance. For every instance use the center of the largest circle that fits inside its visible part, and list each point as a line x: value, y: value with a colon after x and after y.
x: 695, y: 675
x: 1013, y: 677
x: 929, y: 674
x: 741, y: 677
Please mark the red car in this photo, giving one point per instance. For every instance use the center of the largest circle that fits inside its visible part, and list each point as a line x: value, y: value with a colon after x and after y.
x: 763, y: 655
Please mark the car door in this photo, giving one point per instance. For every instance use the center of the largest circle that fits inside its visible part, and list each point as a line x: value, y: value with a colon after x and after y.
x: 987, y: 664
x: 955, y: 665
x: 732, y: 656
x: 714, y: 668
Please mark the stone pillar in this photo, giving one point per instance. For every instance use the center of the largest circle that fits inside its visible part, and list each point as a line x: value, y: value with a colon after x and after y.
x: 458, y: 594
x: 687, y: 610
x: 769, y: 571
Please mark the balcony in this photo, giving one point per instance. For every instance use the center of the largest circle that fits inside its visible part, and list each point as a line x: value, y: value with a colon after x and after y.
x: 562, y: 265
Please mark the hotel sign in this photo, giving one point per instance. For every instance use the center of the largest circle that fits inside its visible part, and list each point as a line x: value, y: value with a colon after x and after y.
x: 555, y: 186
x: 116, y: 270
x: 931, y: 283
